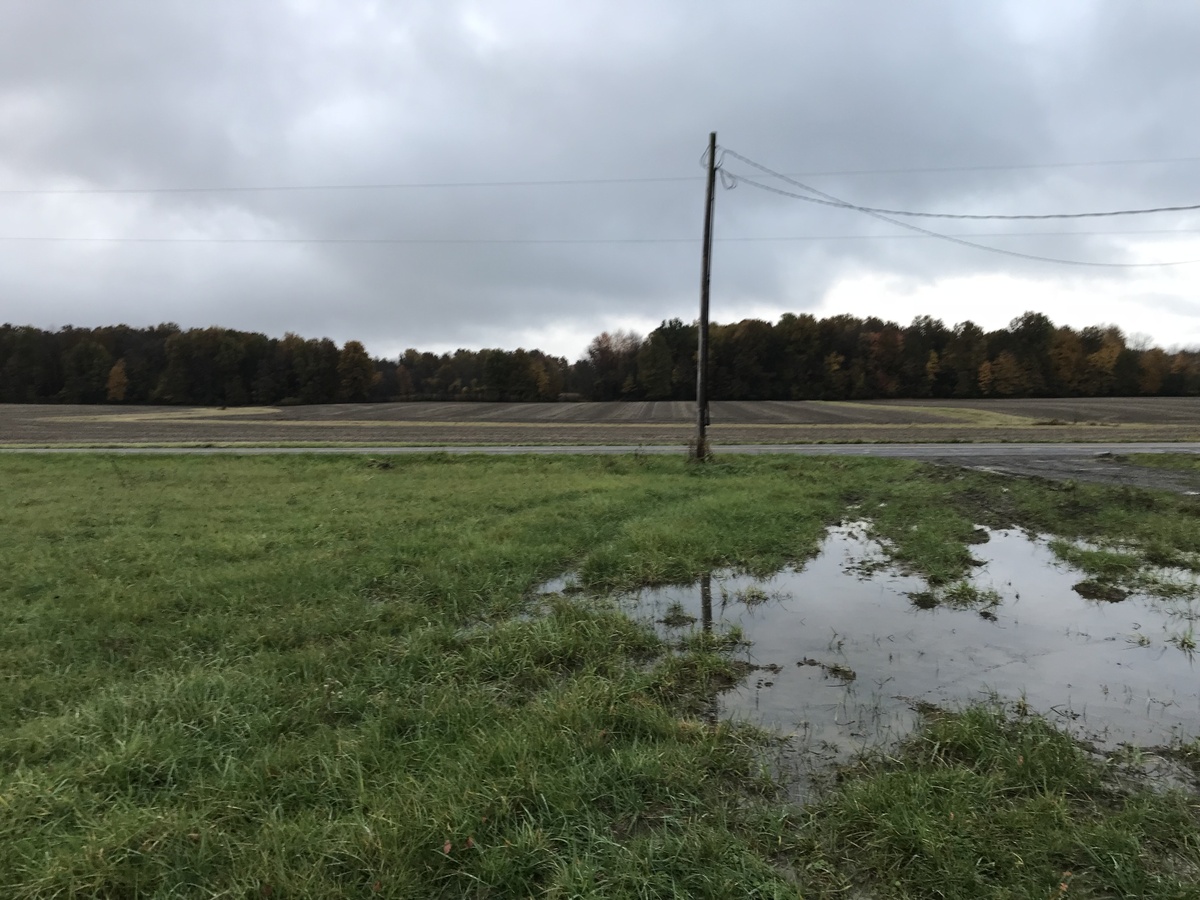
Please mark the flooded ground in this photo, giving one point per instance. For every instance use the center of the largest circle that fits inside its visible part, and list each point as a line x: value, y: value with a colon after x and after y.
x: 844, y: 652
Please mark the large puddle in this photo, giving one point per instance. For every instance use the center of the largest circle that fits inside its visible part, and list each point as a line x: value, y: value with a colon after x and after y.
x: 845, y: 653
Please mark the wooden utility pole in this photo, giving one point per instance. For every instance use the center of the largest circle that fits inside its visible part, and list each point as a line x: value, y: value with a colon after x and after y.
x: 699, y: 452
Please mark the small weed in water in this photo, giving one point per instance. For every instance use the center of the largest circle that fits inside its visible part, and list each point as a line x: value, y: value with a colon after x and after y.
x: 714, y: 641
x: 923, y: 599
x: 832, y: 670
x: 677, y: 617
x: 1094, y: 590
x: 1185, y: 641
x: 964, y: 595
x: 751, y: 596
x: 959, y: 595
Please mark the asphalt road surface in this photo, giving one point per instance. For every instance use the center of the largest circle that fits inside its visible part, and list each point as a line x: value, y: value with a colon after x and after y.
x: 903, y: 451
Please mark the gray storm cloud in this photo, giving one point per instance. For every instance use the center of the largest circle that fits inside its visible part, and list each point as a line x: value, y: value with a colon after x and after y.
x: 223, y: 94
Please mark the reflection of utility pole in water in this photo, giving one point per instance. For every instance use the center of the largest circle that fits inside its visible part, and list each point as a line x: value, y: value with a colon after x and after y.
x: 706, y: 623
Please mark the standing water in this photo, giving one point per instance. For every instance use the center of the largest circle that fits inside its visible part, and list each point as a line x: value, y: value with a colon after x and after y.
x: 844, y: 652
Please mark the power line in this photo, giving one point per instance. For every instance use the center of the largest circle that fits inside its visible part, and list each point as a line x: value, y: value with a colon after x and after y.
x: 1000, y: 167
x: 974, y: 216
x: 50, y: 239
x: 982, y: 216
x: 987, y: 234
x: 564, y: 182
x: 321, y: 240
x: 1026, y: 216
x: 837, y: 201
x: 958, y: 240
x: 377, y: 186
x: 974, y: 234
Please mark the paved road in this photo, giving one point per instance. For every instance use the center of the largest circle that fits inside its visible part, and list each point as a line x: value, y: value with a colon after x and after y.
x: 902, y: 451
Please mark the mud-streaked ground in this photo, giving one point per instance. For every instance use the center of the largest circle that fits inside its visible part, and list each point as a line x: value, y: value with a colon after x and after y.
x: 632, y: 423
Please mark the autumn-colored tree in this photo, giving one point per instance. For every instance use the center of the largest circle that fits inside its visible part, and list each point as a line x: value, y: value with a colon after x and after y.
x: 985, y: 378
x: 835, y: 375
x: 1068, y: 364
x: 933, y: 368
x: 882, y: 353
x: 1184, y: 377
x: 1102, y: 363
x: 924, y: 340
x: 1155, y: 367
x: 1008, y: 377
x: 118, y: 382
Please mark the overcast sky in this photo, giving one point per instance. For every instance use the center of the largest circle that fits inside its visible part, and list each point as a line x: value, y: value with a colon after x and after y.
x: 929, y: 105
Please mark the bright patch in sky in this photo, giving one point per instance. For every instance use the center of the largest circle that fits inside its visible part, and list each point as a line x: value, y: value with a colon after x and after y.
x: 992, y: 301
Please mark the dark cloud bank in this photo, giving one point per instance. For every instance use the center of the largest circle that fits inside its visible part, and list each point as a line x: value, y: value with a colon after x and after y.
x: 127, y: 95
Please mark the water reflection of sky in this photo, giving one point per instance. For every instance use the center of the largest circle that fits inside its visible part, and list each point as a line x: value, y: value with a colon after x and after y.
x: 1107, y: 670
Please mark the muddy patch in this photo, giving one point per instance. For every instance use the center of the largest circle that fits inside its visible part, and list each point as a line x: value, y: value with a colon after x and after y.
x: 1097, y: 468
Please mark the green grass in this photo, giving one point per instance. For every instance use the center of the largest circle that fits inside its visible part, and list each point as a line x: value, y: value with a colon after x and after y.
x: 1179, y: 462
x: 985, y: 804
x: 309, y: 676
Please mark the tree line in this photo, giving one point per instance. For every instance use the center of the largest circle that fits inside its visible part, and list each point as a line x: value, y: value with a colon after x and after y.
x: 800, y: 357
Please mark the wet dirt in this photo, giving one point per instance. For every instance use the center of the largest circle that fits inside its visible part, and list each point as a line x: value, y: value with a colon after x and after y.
x: 1097, y: 468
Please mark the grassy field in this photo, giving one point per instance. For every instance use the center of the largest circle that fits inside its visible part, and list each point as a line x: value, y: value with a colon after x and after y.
x: 1176, y: 462
x: 328, y: 677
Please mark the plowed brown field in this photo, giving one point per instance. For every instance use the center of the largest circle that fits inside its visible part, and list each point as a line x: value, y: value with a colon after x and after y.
x: 672, y: 422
